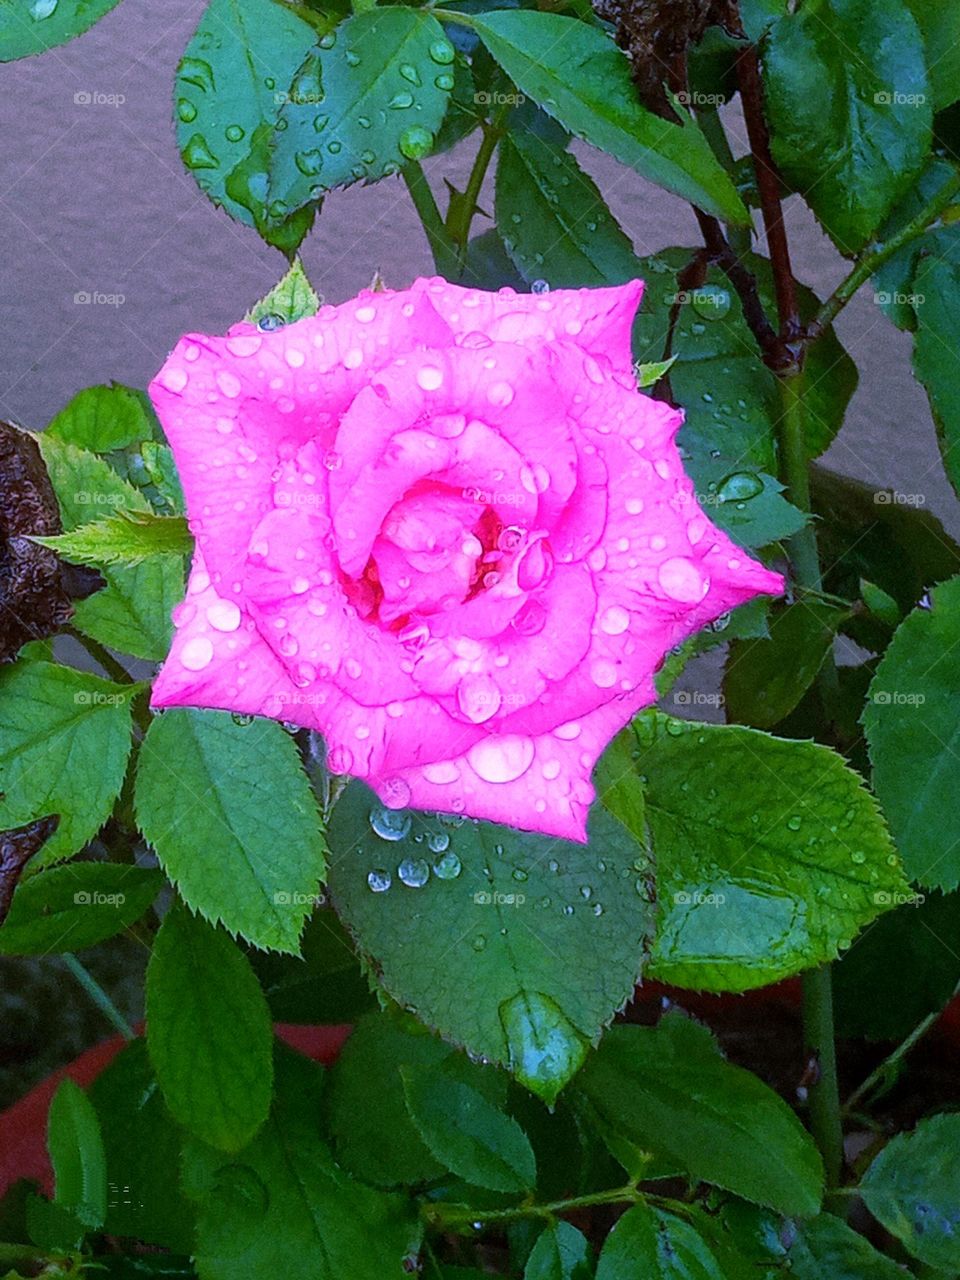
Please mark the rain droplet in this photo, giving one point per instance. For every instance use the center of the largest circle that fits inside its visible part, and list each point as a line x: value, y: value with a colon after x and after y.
x: 401, y: 101
x: 379, y: 880
x: 410, y: 73
x: 234, y: 132
x: 186, y: 110
x: 309, y: 162
x: 739, y: 486
x: 390, y: 824
x: 442, y: 51
x: 270, y: 323
x: 197, y: 155
x: 414, y: 872
x: 478, y: 944
x: 794, y: 823
x: 415, y: 142
x: 540, y: 286
x: 448, y: 866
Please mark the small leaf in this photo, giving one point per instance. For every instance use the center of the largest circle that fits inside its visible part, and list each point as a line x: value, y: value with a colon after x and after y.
x: 229, y: 811
x: 77, y: 905
x: 369, y: 97
x: 576, y: 73
x: 380, y: 1144
x: 76, y: 1153
x: 552, y: 218
x: 64, y: 742
x: 102, y: 419
x: 143, y: 1150
x: 33, y: 26
x: 292, y: 298
x: 547, y: 935
x: 127, y: 538
x: 209, y: 1032
x: 668, y: 1090
x: 231, y: 83
x: 770, y: 853
x: 765, y: 679
x: 133, y: 613
x: 647, y: 1244
x: 912, y: 723
x: 466, y: 1134
x: 913, y: 1189
x: 853, y: 146
x: 286, y: 1209
x: 651, y: 373
x: 561, y: 1253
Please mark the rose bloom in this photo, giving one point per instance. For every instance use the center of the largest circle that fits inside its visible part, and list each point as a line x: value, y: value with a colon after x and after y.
x: 442, y: 527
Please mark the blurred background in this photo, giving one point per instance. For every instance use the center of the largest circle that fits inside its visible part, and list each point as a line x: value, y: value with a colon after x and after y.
x: 95, y: 204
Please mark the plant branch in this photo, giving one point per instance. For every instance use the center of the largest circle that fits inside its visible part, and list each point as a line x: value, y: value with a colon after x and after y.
x: 873, y: 258
x: 886, y: 1073
x: 98, y: 995
x: 443, y: 248
x: 447, y: 1217
x: 768, y: 184
x: 462, y: 211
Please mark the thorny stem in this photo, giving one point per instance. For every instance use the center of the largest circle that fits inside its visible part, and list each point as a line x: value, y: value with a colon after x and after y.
x: 885, y: 1074
x: 447, y: 1217
x: 442, y: 246
x: 462, y: 212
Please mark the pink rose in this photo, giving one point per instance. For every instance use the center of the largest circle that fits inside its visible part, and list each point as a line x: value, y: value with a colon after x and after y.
x: 443, y: 528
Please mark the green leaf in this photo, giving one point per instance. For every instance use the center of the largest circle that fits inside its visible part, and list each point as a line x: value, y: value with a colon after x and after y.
x: 372, y: 95
x: 324, y: 984
x: 76, y: 1153
x: 651, y: 373
x: 770, y: 853
x: 561, y: 1253
x: 102, y: 419
x: 209, y: 1032
x: 554, y: 222
x: 466, y: 1134
x: 132, y: 614
x: 64, y: 743
x: 231, y: 84
x: 286, y: 1208
x: 143, y: 1149
x: 939, y: 23
x: 33, y: 26
x: 668, y: 1090
x: 853, y: 144
x: 579, y: 76
x: 936, y: 361
x: 730, y: 399
x: 913, y: 1189
x: 380, y: 1144
x: 765, y: 679
x: 647, y: 1244
x: 826, y: 1246
x: 912, y: 722
x: 912, y: 955
x: 546, y: 935
x: 228, y: 809
x: 292, y: 298
x: 748, y: 505
x: 75, y: 906
x: 127, y: 538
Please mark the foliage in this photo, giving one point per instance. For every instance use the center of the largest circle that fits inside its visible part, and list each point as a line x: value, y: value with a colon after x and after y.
x: 498, y: 1108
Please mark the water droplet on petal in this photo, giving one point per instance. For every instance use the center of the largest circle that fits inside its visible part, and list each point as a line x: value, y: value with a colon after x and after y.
x: 223, y: 615
x: 681, y: 580
x: 615, y: 620
x: 502, y: 759
x: 395, y: 793
x: 429, y: 377
x: 197, y: 653
x: 478, y: 697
